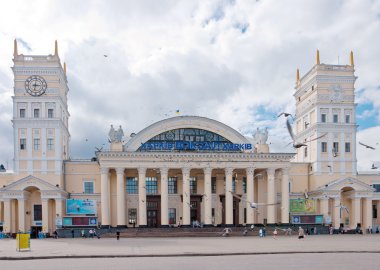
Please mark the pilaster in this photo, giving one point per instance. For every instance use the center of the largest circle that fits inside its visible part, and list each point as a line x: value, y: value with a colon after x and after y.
x: 271, y: 211
x: 164, y: 197
x: 229, y: 197
x: 186, y: 196
x: 142, y: 197
x: 120, y: 196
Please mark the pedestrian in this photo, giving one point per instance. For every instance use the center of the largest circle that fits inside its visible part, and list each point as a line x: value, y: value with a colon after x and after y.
x: 289, y: 231
x: 331, y: 230
x: 245, y: 232
x: 261, y: 232
x: 275, y: 234
x: 82, y: 233
x: 91, y: 233
x: 264, y: 232
x: 301, y: 233
x: 117, y: 235
x: 72, y: 233
x: 55, y: 234
x: 96, y: 234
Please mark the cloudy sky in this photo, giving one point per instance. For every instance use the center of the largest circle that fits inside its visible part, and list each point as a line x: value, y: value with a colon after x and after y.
x: 233, y: 61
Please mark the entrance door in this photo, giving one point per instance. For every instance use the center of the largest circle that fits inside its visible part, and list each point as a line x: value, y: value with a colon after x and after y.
x: 152, y: 218
x: 34, y: 231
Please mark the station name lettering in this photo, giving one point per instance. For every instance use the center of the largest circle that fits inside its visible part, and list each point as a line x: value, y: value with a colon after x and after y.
x: 195, y: 146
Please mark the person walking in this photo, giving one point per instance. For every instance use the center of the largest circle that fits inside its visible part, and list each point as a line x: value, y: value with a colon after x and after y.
x: 301, y: 233
x: 72, y: 233
x: 275, y: 234
x: 117, y: 235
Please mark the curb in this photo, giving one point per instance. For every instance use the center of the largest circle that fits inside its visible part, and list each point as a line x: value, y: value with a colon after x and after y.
x: 179, y: 255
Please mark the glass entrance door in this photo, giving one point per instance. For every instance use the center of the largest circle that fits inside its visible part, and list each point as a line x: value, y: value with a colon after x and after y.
x: 152, y: 218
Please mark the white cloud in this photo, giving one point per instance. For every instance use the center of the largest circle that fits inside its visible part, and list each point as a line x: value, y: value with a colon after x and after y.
x: 187, y: 55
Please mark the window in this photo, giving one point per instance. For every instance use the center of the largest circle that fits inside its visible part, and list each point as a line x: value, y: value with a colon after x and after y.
x: 172, y: 185
x: 36, y: 113
x: 50, y: 144
x: 305, y: 152
x: 244, y: 184
x: 132, y: 215
x: 335, y: 147
x: 172, y: 216
x: 37, y: 212
x: 50, y: 113
x: 22, y: 113
x: 36, y: 144
x: 376, y: 187
x: 213, y: 185
x: 22, y: 144
x: 151, y: 185
x: 323, y: 118
x: 347, y: 147
x: 88, y: 187
x: 347, y: 119
x: 335, y: 118
x: 374, y: 211
x: 245, y: 215
x: 234, y: 180
x: 193, y: 185
x: 132, y: 185
x: 324, y: 147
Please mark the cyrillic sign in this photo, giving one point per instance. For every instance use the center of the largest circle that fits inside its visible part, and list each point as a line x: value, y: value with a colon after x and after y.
x: 195, y: 146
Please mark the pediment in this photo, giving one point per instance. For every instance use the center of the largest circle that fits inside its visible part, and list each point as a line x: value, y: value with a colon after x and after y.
x: 21, y: 185
x: 348, y: 182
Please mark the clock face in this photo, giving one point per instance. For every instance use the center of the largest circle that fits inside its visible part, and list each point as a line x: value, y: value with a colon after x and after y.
x: 35, y: 85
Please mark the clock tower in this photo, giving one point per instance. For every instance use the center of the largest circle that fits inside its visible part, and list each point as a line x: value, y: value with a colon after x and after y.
x: 40, y: 116
x: 325, y: 106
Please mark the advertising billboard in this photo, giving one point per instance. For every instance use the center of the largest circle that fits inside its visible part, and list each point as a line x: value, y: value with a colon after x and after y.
x: 306, y: 206
x: 80, y: 207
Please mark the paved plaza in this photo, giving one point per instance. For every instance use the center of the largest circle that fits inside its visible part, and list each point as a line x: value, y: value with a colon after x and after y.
x: 190, y: 246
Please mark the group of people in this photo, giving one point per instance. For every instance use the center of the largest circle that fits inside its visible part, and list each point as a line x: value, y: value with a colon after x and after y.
x: 83, y: 234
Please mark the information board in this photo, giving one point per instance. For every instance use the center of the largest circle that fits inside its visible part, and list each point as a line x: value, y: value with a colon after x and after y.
x: 80, y: 207
x: 306, y: 206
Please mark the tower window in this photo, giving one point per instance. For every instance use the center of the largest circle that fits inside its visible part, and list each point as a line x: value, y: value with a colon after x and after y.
x: 50, y: 113
x: 335, y: 118
x: 132, y: 185
x: 347, y: 147
x: 36, y: 113
x: 305, y: 151
x: 335, y: 147
x: 172, y: 185
x: 22, y: 144
x: 323, y: 118
x: 347, y: 119
x: 22, y: 113
x: 36, y: 144
x: 324, y: 147
x: 50, y: 144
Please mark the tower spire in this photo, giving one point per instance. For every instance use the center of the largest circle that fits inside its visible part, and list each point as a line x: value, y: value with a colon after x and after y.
x: 56, y: 48
x: 351, y: 58
x: 64, y: 68
x: 15, y: 52
x: 298, y: 75
x: 318, y: 62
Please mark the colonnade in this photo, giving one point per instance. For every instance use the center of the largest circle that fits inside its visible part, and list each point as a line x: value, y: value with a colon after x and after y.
x: 186, y: 204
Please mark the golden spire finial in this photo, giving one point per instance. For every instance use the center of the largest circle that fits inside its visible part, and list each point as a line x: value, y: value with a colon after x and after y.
x: 64, y: 68
x: 56, y: 48
x: 351, y: 58
x: 318, y: 62
x: 298, y: 75
x: 15, y: 52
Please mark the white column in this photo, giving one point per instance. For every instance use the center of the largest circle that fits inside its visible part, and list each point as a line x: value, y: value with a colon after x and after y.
x: 59, y: 207
x: 356, y: 206
x: 324, y: 207
x: 207, y: 198
x: 250, y: 195
x: 336, y: 213
x: 164, y: 197
x: 120, y: 197
x: 367, y: 213
x: 271, y: 197
x: 21, y: 214
x: 229, y: 197
x: 104, y: 196
x: 285, y: 196
x: 142, y: 197
x: 7, y: 216
x: 45, y: 214
x: 186, y: 196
